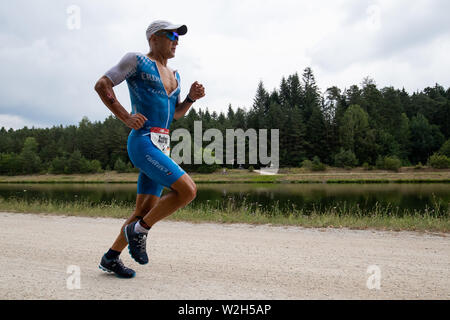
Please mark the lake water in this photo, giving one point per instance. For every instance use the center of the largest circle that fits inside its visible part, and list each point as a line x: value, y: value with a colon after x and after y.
x: 320, y: 197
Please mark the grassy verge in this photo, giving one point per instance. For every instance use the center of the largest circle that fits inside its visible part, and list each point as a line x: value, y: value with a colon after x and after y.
x: 353, y: 218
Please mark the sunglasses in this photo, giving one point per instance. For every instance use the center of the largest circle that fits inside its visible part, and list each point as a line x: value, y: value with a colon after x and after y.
x: 171, y: 35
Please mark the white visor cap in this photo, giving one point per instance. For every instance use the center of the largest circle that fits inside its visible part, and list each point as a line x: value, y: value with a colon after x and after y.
x: 159, y: 25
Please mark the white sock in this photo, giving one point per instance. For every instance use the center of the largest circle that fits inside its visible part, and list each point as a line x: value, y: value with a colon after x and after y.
x: 140, y: 229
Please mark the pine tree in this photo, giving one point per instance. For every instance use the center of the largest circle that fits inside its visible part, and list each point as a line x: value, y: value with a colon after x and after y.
x: 256, y: 116
x: 29, y: 159
x: 316, y: 136
x: 311, y: 94
x: 294, y: 144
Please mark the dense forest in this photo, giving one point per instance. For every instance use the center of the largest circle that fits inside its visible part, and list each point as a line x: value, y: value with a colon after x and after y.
x: 359, y: 126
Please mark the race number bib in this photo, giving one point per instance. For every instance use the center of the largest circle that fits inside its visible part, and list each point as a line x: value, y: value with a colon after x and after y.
x: 161, y: 139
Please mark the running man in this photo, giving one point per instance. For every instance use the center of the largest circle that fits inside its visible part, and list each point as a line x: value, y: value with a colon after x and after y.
x: 155, y: 97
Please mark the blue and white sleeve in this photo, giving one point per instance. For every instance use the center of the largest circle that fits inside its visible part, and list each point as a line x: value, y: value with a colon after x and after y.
x: 126, y: 68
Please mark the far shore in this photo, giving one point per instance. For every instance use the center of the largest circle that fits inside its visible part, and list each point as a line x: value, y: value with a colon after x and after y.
x: 285, y: 175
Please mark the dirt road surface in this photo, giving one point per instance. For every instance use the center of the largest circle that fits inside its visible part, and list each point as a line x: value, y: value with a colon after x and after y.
x: 213, y: 261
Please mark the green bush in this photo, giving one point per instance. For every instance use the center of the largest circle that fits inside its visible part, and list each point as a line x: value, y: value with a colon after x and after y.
x: 445, y: 149
x: 28, y: 158
x: 27, y: 162
x: 94, y: 166
x: 418, y: 166
x: 379, y: 164
x: 388, y: 163
x: 251, y: 168
x: 74, y: 163
x: 317, y: 165
x: 57, y: 165
x: 10, y: 164
x: 307, y: 164
x: 367, y: 166
x: 207, y: 168
x: 345, y: 159
x: 439, y: 161
x: 120, y: 166
x: 392, y: 163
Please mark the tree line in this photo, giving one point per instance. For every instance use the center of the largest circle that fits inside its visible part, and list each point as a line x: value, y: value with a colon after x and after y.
x: 359, y: 126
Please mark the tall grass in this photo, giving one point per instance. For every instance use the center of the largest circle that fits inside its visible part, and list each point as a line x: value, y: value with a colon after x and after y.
x: 77, y: 208
x: 434, y: 218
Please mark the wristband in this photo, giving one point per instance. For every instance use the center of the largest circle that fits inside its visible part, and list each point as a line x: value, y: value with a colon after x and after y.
x: 188, y: 99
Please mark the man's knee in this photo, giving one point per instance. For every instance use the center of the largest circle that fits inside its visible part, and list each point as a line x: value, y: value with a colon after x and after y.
x: 192, y: 193
x: 188, y: 193
x: 186, y: 189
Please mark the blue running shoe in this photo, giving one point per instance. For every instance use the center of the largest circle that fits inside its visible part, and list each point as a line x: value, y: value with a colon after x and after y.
x: 136, y: 244
x: 116, y: 266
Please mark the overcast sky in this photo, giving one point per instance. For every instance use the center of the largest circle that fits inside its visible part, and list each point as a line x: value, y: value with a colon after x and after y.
x: 50, y: 63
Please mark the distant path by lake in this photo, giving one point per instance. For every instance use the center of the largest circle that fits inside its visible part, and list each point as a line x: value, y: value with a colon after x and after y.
x: 292, y: 175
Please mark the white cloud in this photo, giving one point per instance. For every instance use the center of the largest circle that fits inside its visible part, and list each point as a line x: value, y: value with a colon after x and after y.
x: 385, y: 29
x: 48, y: 71
x: 16, y: 122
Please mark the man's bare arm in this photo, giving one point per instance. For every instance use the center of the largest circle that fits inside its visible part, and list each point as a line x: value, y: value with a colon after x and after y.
x: 104, y: 88
x: 181, y: 109
x: 197, y: 92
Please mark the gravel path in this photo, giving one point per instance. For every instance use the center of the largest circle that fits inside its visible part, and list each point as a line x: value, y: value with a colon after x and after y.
x: 214, y: 261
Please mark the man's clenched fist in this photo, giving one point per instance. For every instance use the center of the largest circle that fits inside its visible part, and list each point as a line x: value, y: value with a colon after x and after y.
x: 197, y: 91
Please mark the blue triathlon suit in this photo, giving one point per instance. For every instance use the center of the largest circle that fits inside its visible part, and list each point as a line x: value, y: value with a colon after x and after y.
x: 148, y: 97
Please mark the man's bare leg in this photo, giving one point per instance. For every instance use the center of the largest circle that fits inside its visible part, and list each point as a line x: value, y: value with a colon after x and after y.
x: 183, y: 192
x: 144, y: 203
x: 110, y: 261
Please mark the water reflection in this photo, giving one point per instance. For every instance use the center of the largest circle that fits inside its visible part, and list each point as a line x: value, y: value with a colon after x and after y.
x: 309, y: 197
